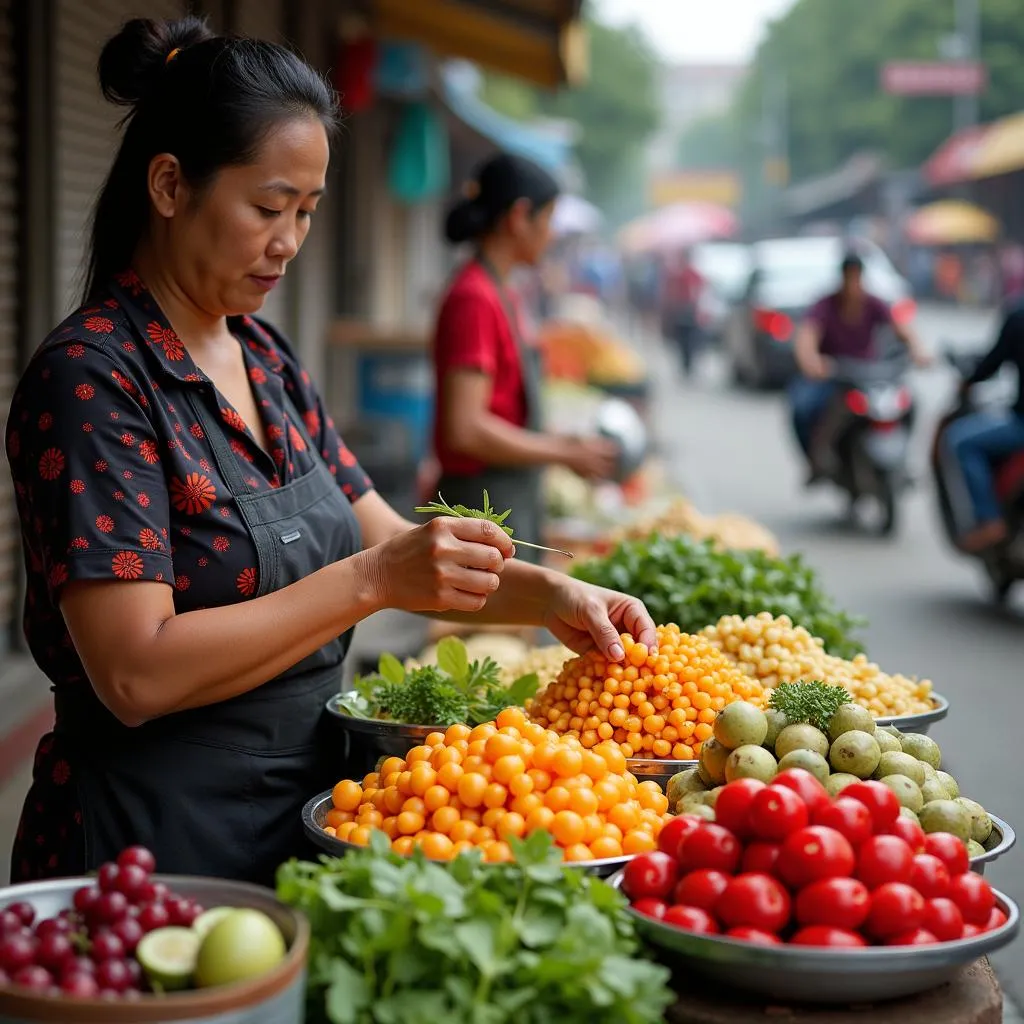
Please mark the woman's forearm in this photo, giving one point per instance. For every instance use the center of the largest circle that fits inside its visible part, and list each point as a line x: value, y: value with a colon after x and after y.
x: 523, y: 599
x: 501, y: 443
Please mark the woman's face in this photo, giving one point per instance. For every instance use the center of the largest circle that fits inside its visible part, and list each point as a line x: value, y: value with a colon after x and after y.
x: 531, y: 231
x: 231, y: 243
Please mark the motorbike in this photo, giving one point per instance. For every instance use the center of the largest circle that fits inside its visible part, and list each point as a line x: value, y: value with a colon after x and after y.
x: 1004, y: 563
x: 863, y: 440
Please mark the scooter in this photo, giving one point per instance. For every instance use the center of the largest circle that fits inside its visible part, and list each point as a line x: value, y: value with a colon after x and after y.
x: 1004, y: 563
x: 863, y: 441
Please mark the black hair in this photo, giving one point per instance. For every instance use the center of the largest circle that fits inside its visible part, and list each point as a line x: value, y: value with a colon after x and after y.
x: 851, y: 261
x: 208, y: 100
x: 497, y: 186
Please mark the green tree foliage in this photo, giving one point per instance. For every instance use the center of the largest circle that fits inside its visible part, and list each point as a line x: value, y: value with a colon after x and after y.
x: 711, y: 144
x: 617, y: 109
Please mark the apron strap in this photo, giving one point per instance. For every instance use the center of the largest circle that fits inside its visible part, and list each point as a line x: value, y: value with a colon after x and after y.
x: 225, y: 458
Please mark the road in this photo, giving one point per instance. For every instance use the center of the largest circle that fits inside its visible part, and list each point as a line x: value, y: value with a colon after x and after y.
x: 928, y: 608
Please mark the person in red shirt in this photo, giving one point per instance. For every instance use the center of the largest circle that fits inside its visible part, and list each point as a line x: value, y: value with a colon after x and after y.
x: 487, y: 425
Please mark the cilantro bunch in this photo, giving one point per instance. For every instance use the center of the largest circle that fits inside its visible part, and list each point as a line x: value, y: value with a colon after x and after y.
x: 401, y: 940
x: 693, y: 584
x: 454, y: 690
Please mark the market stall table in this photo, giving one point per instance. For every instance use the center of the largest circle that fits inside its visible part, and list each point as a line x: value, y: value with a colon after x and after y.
x: 974, y: 997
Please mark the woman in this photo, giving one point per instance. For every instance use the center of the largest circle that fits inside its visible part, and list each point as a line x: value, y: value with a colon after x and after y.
x: 199, y: 542
x: 487, y: 425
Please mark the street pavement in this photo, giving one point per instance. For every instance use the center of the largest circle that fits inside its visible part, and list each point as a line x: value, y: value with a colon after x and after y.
x: 929, y: 610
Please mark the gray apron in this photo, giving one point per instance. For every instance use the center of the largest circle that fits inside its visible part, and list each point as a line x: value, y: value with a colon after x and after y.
x: 519, y: 488
x: 219, y: 790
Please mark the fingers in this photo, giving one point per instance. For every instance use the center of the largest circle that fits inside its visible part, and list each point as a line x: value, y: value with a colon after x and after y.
x: 471, y: 581
x: 480, y: 531
x: 478, y: 556
x: 603, y: 632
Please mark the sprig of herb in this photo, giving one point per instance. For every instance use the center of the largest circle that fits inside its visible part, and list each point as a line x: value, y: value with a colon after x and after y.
x: 442, y: 508
x: 814, y: 702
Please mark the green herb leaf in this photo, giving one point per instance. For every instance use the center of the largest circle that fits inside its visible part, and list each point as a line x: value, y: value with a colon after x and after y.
x: 813, y: 702
x: 524, y: 688
x: 453, y: 658
x: 391, y: 669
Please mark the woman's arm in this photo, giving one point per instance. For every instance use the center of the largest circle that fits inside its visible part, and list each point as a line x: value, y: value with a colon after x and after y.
x: 807, y: 350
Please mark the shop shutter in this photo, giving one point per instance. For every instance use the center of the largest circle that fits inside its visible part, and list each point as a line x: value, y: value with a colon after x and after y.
x: 85, y: 136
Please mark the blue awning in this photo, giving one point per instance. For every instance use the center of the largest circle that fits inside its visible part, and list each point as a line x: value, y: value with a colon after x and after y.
x: 459, y: 93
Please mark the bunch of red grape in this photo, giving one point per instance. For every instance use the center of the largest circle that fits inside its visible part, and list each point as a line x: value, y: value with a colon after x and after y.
x: 88, y: 952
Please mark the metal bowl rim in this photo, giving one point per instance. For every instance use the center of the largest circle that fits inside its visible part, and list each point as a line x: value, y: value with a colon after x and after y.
x: 1006, y: 843
x: 377, y: 727
x: 940, y: 711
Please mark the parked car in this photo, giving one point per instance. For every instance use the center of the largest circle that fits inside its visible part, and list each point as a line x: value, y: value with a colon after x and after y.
x: 724, y: 268
x: 787, y: 276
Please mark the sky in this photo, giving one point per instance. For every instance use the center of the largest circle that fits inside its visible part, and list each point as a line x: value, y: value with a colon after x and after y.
x: 697, y: 30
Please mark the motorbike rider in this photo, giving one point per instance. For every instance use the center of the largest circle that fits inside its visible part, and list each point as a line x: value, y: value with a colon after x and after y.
x: 842, y: 325
x: 981, y: 438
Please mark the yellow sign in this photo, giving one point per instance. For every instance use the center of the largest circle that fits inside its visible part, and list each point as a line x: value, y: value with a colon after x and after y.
x: 721, y: 187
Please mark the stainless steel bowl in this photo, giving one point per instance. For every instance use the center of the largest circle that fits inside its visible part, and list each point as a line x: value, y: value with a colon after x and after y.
x: 367, y: 740
x: 656, y: 769
x: 809, y: 975
x: 1007, y: 839
x: 921, y: 722
x: 314, y: 817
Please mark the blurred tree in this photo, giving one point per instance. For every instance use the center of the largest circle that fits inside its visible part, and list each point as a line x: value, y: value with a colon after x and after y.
x: 617, y: 109
x: 712, y: 143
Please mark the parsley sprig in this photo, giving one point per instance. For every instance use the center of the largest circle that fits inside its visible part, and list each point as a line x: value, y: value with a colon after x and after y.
x: 814, y: 702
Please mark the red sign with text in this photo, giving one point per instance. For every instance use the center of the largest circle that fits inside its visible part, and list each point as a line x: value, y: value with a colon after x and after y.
x: 934, y: 78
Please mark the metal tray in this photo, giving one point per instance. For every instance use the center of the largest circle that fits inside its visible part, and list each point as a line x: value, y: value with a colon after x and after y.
x: 1007, y: 839
x: 921, y: 722
x: 314, y: 815
x: 656, y: 769
x: 805, y: 974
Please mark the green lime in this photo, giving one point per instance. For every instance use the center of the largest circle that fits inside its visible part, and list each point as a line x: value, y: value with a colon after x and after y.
x: 243, y: 944
x: 168, y: 956
x: 208, y: 918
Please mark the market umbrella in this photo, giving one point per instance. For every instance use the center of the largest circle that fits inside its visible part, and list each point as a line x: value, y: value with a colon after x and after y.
x: 678, y: 226
x: 951, y: 222
x: 575, y: 216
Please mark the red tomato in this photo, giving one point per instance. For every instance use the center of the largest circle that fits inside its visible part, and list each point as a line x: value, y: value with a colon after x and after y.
x: 837, y: 902
x: 732, y: 808
x: 674, y: 830
x: 761, y: 858
x: 910, y: 832
x: 847, y: 816
x: 895, y: 908
x: 950, y: 850
x: 884, y: 859
x: 757, y: 901
x: 701, y: 889
x: 929, y: 876
x: 973, y: 895
x: 806, y: 786
x: 709, y: 846
x: 995, y: 920
x: 943, y: 919
x: 777, y: 812
x: 649, y: 874
x: 650, y: 907
x: 754, y: 935
x: 812, y: 854
x: 691, y: 919
x: 914, y: 937
x: 880, y: 800
x: 820, y: 935
x: 972, y: 931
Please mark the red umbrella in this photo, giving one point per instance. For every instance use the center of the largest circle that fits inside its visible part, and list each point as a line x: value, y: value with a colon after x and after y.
x: 679, y: 226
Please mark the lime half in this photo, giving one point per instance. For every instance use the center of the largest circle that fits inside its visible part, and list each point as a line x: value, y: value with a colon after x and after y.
x: 168, y: 956
x: 208, y: 918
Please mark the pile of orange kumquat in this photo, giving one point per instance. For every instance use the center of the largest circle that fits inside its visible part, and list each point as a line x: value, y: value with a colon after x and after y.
x: 658, y: 703
x: 466, y: 788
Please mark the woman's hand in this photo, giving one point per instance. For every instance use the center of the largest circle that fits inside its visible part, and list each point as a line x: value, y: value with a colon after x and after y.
x: 585, y: 617
x: 445, y: 565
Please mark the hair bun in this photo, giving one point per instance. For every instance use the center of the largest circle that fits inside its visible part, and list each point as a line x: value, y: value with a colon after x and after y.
x: 466, y: 220
x: 133, y: 60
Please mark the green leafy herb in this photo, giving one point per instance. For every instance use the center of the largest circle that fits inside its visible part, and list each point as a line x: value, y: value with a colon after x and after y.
x: 399, y: 940
x: 813, y: 702
x: 442, y: 508
x: 454, y: 690
x: 689, y: 582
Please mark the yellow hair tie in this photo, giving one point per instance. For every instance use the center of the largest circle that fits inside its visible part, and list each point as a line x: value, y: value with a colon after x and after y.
x: 174, y: 53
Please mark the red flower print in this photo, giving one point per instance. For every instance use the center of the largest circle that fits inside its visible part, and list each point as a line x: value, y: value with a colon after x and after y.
x: 178, y: 428
x: 99, y: 324
x: 61, y: 772
x: 165, y: 336
x: 159, y: 577
x: 304, y: 377
x: 182, y: 583
x: 246, y: 582
x: 75, y: 351
x: 193, y: 495
x: 127, y: 565
x: 257, y: 376
x: 185, y: 531
x: 312, y: 418
x: 225, y: 513
x: 143, y: 499
x: 274, y: 432
x: 14, y: 444
x: 79, y: 544
x: 296, y: 439
x: 252, y: 482
x: 101, y: 466
x: 87, y: 427
x: 115, y: 415
x: 194, y: 378
x: 233, y: 420
x: 128, y: 475
x: 131, y: 281
x: 203, y: 562
x: 58, y: 575
x: 150, y: 539
x: 77, y: 486
x: 239, y: 449
x: 104, y: 524
x: 126, y: 384
x: 128, y: 439
x: 148, y: 450
x: 345, y: 457
x: 118, y: 495
x: 51, y: 464
x: 279, y: 457
x: 128, y: 346
x: 196, y: 431
x: 45, y: 421
x: 221, y: 544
